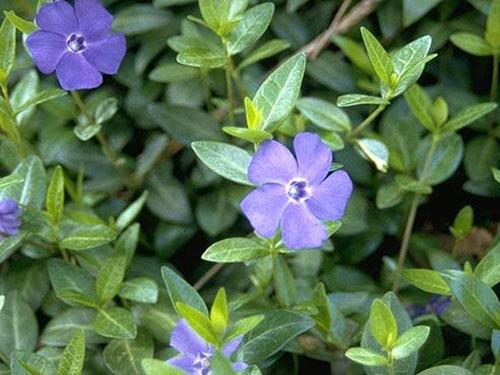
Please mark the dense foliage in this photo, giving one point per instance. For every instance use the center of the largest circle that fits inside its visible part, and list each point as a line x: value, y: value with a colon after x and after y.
x: 153, y: 220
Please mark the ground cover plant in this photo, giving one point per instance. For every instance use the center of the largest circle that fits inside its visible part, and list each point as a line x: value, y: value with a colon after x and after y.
x: 249, y: 187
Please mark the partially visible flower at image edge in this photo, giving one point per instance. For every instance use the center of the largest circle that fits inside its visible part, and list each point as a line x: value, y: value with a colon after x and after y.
x: 295, y: 193
x: 77, y: 43
x: 196, y: 353
x: 9, y: 218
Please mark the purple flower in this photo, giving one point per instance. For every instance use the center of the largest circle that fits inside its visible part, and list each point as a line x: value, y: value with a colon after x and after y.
x: 295, y: 192
x: 9, y: 217
x: 77, y: 43
x: 195, y: 353
x: 437, y: 305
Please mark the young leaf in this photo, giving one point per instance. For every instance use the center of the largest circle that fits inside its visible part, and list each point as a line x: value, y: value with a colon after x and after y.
x: 130, y: 213
x: 180, y: 291
x: 350, y: 100
x: 488, y: 269
x: 106, y: 110
x: 219, y: 313
x: 110, y: 278
x: 278, y: 94
x: 229, y: 161
x: 429, y: 281
x: 55, y: 196
x: 492, y: 34
x: 215, y: 13
x: 379, y: 58
x: 440, y: 111
x: 463, y: 223
x: 221, y: 365
x: 159, y: 367
x: 73, y: 355
x: 198, y: 322
x: 383, y: 325
x: 323, y: 318
x: 366, y: 357
x: 243, y: 326
x: 410, y: 341
x: 421, y: 106
x: 21, y: 24
x: 250, y: 135
x: 471, y: 43
x: 252, y: 115
x: 7, y: 49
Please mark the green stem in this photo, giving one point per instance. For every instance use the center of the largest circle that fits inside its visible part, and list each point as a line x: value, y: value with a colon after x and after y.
x: 494, y: 78
x: 368, y: 120
x: 410, y: 221
x: 296, y: 367
x: 105, y: 145
x: 229, y: 82
x: 206, y: 88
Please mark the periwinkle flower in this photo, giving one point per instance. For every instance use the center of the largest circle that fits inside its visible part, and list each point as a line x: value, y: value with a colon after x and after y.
x: 9, y: 217
x: 195, y: 353
x: 77, y: 43
x: 437, y: 305
x: 295, y: 193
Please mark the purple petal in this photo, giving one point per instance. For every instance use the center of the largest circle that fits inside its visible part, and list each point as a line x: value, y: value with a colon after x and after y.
x: 182, y: 362
x: 300, y: 229
x: 272, y: 163
x: 232, y: 346
x: 186, y: 341
x: 239, y: 366
x: 94, y: 20
x: 74, y: 72
x: 314, y: 158
x: 107, y: 54
x: 8, y: 206
x: 264, y: 206
x: 329, y: 200
x: 58, y: 17
x: 47, y: 49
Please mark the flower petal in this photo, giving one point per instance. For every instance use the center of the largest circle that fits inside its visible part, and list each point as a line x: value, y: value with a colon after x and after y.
x: 94, y: 20
x: 329, y: 200
x: 182, y: 362
x: 107, y: 54
x: 300, y: 229
x: 232, y: 346
x: 264, y: 207
x: 9, y: 206
x: 272, y: 163
x: 47, y: 49
x: 58, y: 17
x: 74, y: 72
x: 186, y: 341
x: 239, y: 366
x: 314, y: 158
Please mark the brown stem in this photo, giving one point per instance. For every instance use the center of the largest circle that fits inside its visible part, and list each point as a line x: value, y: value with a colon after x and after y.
x: 207, y: 276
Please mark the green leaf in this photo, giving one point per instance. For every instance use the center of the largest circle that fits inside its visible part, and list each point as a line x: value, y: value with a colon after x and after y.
x: 354, y: 52
x: 476, y: 297
x: 243, y: 326
x: 73, y: 355
x: 130, y: 213
x: 383, y: 325
x: 421, y: 106
x: 444, y: 161
x: 88, y: 237
x: 379, y: 58
x: 462, y: 224
x: 324, y: 114
x: 445, y: 370
x: 268, y: 49
x: 202, y: 57
x: 7, y: 49
x: 19, y: 327
x: 440, y: 111
x: 216, y: 14
x: 159, y: 367
x: 139, y: 289
x: 284, y: 282
x: 410, y: 184
x: 198, y: 321
x: 2, y: 302
x: 173, y: 72
x: 106, y: 110
x: 229, y: 161
x: 366, y: 357
x: 21, y: 24
x: 278, y: 94
x: 375, y: 151
x: 488, y: 269
x: 277, y: 329
x: 496, y: 174
x: 180, y: 291
x: 126, y: 244
x: 41, y: 97
x: 85, y: 132
x: 427, y: 280
x: 481, y: 154
x: 250, y: 135
x: 115, y: 322
x: 410, y: 342
x: 492, y: 34
x: 125, y: 356
x: 350, y: 100
x: 468, y: 115
x: 389, y: 195
x: 235, y: 249
x: 141, y: 18
x: 66, y: 277
x: 253, y: 23
x: 471, y: 43
x: 110, y: 278
x: 219, y: 313
x: 323, y: 317
x: 221, y: 365
x: 54, y: 201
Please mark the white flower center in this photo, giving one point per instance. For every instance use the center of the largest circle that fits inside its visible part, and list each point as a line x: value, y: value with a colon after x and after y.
x: 298, y: 190
x: 76, y: 43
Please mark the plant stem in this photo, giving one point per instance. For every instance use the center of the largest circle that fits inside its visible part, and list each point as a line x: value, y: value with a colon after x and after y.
x: 229, y: 83
x: 296, y: 367
x: 494, y: 78
x: 367, y: 121
x: 207, y: 276
x: 206, y: 88
x: 410, y: 221
x: 105, y: 145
